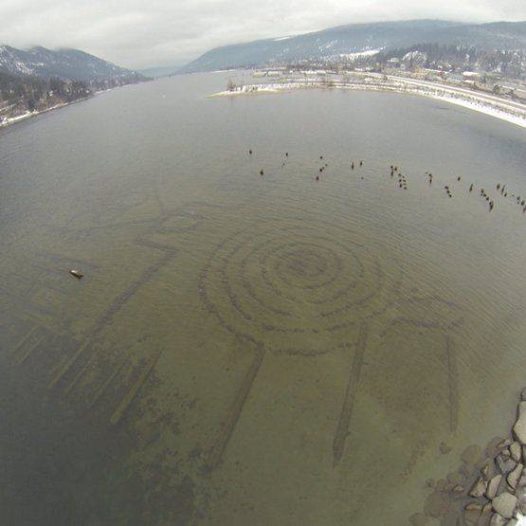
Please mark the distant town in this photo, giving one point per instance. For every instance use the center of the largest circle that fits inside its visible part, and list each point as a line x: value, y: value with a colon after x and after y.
x: 500, y: 73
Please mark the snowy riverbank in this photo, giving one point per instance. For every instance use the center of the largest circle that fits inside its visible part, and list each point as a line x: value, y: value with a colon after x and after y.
x: 28, y: 114
x: 500, y: 108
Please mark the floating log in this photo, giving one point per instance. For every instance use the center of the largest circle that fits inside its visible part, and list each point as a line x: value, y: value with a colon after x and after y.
x: 77, y: 273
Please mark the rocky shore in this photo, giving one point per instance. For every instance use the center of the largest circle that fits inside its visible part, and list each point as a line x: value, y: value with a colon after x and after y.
x: 489, y: 489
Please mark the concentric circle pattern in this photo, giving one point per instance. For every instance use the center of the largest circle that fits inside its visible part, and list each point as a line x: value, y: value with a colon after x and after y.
x: 296, y: 286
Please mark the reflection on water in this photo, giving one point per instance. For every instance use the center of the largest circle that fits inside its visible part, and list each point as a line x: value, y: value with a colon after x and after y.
x: 248, y: 349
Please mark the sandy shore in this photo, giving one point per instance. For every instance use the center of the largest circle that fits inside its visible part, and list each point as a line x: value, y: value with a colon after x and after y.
x: 494, y: 106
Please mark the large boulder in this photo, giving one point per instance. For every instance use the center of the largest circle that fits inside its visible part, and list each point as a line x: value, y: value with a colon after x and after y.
x: 505, y: 504
x: 521, y: 499
x: 493, y: 486
x: 505, y: 463
x: 497, y: 520
x: 519, y: 429
x: 516, y: 451
x: 478, y: 489
x: 513, y: 477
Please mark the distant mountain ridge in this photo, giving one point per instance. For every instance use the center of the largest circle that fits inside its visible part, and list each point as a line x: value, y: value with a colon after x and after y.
x: 65, y: 64
x: 355, y: 38
x: 39, y: 79
x: 160, y: 71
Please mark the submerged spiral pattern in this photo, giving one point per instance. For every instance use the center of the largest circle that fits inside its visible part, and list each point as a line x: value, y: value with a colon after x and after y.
x: 295, y: 286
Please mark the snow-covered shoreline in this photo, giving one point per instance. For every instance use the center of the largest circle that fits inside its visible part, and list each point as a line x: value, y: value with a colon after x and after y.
x: 486, y: 110
x: 28, y: 114
x: 500, y: 108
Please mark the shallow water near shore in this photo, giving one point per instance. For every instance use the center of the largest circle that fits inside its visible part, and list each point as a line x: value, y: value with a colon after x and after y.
x: 246, y: 348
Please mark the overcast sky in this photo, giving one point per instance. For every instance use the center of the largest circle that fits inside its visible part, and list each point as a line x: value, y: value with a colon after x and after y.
x: 139, y: 33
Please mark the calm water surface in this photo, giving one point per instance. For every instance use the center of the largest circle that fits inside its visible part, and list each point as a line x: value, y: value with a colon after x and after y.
x: 248, y: 349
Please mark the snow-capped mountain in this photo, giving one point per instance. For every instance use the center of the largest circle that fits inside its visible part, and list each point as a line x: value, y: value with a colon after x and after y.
x: 360, y: 38
x: 66, y: 64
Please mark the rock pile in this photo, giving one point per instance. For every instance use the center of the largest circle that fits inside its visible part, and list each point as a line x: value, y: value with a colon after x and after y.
x: 490, y: 487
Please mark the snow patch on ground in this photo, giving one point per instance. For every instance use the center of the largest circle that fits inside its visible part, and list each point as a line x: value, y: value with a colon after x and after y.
x: 329, y: 45
x: 359, y: 54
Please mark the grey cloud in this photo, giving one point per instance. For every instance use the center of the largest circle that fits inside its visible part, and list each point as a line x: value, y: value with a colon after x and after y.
x: 138, y: 34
